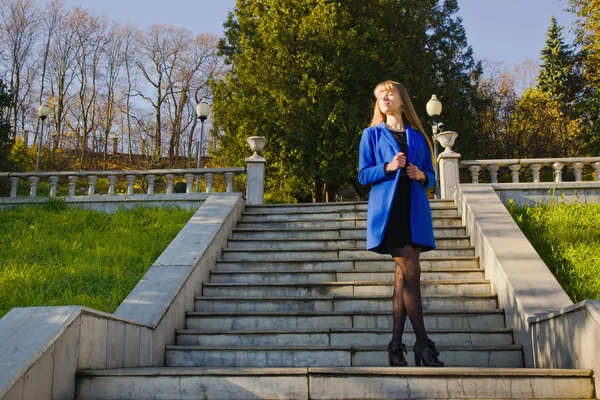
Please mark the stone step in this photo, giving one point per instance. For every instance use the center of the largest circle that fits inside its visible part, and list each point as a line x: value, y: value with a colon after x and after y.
x: 434, y: 319
x: 508, y: 356
x: 374, y: 264
x: 161, y: 383
x: 303, y: 276
x: 250, y: 254
x: 327, y: 233
x: 337, y: 337
x: 336, y: 223
x: 338, y: 303
x: 287, y: 244
x: 309, y: 215
x: 343, y: 206
x: 327, y: 289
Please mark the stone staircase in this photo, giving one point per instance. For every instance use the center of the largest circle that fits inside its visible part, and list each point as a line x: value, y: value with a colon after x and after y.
x: 296, y: 308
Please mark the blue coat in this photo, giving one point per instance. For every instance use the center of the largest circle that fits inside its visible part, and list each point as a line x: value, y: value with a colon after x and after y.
x: 378, y: 147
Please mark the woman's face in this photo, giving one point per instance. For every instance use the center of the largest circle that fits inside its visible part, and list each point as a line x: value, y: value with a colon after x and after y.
x: 389, y: 102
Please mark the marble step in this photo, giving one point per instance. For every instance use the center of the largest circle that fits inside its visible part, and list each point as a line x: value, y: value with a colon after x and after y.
x: 507, y: 356
x: 327, y: 233
x: 335, y: 223
x: 294, y: 244
x: 250, y: 254
x: 476, y: 319
x: 338, y: 303
x: 337, y: 337
x: 342, y: 206
x: 326, y: 289
x: 254, y: 216
x: 375, y: 263
x: 163, y: 383
x: 303, y: 276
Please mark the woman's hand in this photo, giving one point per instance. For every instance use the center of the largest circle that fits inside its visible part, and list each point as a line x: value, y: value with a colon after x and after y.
x: 399, y: 161
x: 414, y: 172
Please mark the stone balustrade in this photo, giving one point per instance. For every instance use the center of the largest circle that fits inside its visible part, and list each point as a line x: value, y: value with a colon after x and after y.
x: 191, y: 176
x: 517, y: 166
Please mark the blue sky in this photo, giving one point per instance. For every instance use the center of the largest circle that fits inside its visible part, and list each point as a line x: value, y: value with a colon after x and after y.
x: 507, y: 31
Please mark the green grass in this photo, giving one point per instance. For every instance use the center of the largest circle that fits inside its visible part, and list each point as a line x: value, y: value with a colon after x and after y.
x: 54, y: 255
x: 567, y: 238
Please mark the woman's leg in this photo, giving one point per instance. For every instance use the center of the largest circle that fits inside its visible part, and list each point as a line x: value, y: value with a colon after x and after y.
x: 407, y: 261
x: 399, y: 310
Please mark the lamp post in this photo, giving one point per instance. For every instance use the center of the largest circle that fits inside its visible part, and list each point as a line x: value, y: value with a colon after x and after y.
x: 43, y: 112
x: 434, y: 109
x: 202, y: 111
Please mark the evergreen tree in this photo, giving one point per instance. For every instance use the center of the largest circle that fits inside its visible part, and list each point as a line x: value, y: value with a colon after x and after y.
x: 6, y: 140
x: 302, y: 74
x: 559, y: 75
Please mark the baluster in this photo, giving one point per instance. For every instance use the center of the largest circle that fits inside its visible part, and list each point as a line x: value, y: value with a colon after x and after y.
x: 577, y: 167
x: 229, y: 179
x: 72, y: 185
x: 493, y: 170
x: 474, y: 173
x: 558, y: 166
x: 208, y: 177
x: 53, y: 182
x: 515, y: 168
x: 596, y: 167
x: 92, y: 179
x: 189, y: 183
x: 170, y: 178
x: 150, y: 179
x: 535, y: 171
x: 33, y: 180
x: 14, y: 183
x: 130, y: 182
x: 112, y: 180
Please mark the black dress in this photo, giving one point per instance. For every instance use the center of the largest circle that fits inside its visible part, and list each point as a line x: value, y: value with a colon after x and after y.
x: 397, y: 232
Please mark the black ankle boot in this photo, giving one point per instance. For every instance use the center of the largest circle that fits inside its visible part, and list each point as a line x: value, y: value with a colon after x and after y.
x: 427, y: 355
x: 395, y: 355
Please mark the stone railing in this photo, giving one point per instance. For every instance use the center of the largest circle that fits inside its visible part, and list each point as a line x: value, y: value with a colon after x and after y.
x: 516, y: 166
x: 190, y: 176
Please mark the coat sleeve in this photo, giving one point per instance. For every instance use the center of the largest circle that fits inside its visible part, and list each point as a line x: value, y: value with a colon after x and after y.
x: 370, y: 171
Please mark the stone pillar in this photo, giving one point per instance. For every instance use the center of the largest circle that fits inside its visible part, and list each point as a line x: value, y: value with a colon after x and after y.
x: 475, y: 173
x: 558, y: 166
x: 33, y: 180
x: 514, y: 171
x: 493, y: 170
x: 130, y: 183
x: 72, y: 185
x: 255, y: 167
x: 208, y: 178
x: 170, y: 178
x: 449, y: 175
x: 189, y: 182
x: 112, y: 180
x: 92, y: 184
x: 14, y: 183
x: 229, y: 180
x: 150, y: 179
x: 577, y: 167
x: 535, y: 171
x: 53, y: 183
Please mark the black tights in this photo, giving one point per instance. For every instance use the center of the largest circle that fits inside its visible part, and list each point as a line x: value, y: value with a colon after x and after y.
x: 407, y: 295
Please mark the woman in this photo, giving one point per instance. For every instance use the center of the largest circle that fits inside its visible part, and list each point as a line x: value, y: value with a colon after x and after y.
x: 395, y: 159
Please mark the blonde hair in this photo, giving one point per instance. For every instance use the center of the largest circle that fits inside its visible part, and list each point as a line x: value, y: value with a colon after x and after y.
x: 408, y: 111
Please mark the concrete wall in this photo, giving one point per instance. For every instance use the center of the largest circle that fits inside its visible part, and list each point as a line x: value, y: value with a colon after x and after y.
x: 41, y: 348
x: 569, y: 338
x: 522, y: 281
x: 547, y: 192
x: 110, y: 204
